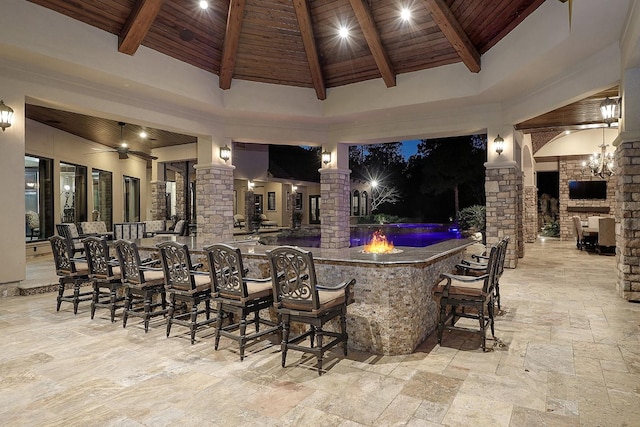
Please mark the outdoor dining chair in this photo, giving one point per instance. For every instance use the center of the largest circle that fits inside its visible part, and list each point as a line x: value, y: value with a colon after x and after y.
x: 71, y: 272
x: 299, y: 298
x: 106, y: 278
x: 186, y: 286
x: 479, y: 266
x: 238, y: 296
x: 468, y: 297
x: 142, y: 284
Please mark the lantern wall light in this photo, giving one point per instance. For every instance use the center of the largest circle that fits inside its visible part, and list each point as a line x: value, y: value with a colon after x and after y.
x: 6, y: 115
x: 225, y: 153
x: 498, y: 144
x: 326, y: 157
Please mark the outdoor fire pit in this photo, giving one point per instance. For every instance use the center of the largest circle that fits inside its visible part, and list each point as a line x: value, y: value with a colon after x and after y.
x: 380, y: 245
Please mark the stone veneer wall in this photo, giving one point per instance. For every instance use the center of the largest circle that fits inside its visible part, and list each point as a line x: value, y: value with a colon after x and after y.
x: 394, y: 309
x: 571, y: 170
x: 504, y: 210
x: 249, y: 209
x: 180, y: 193
x: 627, y: 158
x: 334, y: 208
x: 214, y: 203
x: 520, y: 214
x: 530, y: 214
x: 158, y: 200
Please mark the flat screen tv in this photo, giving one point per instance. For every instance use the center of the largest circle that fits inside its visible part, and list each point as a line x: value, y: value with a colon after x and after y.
x: 588, y: 190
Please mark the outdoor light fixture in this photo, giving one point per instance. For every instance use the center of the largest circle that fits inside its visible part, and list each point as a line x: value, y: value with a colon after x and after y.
x: 601, y: 164
x: 610, y: 110
x: 294, y: 188
x: 6, y: 115
x: 225, y: 153
x: 499, y: 144
x: 250, y: 185
x: 326, y: 157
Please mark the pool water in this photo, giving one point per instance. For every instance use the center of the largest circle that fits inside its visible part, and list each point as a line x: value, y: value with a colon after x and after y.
x: 411, y: 235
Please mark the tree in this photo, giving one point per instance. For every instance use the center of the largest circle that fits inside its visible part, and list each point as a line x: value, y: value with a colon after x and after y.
x: 382, y: 164
x: 450, y: 165
x: 383, y: 194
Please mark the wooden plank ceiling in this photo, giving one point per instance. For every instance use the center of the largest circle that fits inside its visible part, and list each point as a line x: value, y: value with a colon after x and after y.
x: 296, y: 42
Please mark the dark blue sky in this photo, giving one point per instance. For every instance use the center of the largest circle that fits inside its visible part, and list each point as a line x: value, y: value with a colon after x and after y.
x: 409, y: 148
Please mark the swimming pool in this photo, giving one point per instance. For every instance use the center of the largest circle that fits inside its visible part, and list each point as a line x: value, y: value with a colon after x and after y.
x: 412, y: 235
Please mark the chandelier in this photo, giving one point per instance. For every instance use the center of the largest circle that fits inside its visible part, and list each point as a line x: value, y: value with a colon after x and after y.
x: 601, y: 164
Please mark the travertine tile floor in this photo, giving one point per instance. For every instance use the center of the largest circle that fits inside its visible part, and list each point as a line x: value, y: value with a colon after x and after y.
x: 567, y: 353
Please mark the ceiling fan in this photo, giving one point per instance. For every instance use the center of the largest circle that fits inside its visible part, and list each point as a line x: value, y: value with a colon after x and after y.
x: 123, y: 149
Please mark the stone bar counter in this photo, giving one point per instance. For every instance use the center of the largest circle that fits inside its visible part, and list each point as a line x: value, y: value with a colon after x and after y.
x: 394, y: 310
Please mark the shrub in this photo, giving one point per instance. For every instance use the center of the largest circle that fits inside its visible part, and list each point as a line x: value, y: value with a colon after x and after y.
x: 551, y: 229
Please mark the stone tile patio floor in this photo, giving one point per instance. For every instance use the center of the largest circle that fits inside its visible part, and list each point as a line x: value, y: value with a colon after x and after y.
x: 567, y: 353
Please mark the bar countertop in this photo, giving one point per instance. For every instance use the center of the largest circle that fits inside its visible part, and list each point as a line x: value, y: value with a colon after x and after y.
x: 250, y: 247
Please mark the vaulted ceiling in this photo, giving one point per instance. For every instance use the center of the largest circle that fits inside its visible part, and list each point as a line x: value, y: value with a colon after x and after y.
x: 296, y: 42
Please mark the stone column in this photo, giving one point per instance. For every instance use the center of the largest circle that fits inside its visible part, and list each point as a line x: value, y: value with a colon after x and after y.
x: 214, y: 199
x: 249, y: 209
x: 334, y: 207
x: 504, y: 215
x: 628, y: 207
x: 530, y: 214
x: 158, y: 200
x: 180, y: 193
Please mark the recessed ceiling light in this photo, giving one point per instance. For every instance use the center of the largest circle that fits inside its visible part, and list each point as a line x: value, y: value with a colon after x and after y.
x: 204, y: 4
x: 405, y: 14
x: 343, y: 32
x: 143, y: 134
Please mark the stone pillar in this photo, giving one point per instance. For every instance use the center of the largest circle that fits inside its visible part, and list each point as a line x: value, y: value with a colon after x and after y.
x: 334, y: 207
x: 181, y: 176
x: 627, y: 157
x: 158, y: 200
x: 520, y: 213
x: 530, y: 214
x: 214, y: 199
x: 504, y: 216
x: 249, y: 209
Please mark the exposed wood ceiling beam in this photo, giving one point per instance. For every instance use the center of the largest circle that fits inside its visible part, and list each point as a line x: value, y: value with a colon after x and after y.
x: 137, y: 25
x: 368, y: 26
x: 306, y: 30
x: 231, y: 40
x: 453, y: 31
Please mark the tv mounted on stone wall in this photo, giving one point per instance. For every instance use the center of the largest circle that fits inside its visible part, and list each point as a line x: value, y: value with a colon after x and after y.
x: 588, y: 190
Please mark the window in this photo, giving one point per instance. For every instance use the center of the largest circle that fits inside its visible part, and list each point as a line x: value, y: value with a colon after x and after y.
x: 258, y: 207
x: 271, y: 201
x: 102, y: 197
x: 131, y: 199
x: 365, y: 203
x: 73, y: 193
x: 38, y: 197
x: 356, y: 203
x: 298, y: 201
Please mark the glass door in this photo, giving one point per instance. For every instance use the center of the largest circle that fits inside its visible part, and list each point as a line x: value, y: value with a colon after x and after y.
x: 73, y: 193
x: 131, y: 199
x: 102, y: 197
x: 314, y: 209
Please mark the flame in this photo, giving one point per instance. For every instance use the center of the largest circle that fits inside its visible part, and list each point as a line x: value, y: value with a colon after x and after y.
x: 379, y: 244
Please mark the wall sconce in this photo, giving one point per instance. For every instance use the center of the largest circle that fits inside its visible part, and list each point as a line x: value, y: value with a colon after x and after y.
x: 6, y: 115
x: 498, y: 143
x: 250, y: 185
x: 326, y: 157
x: 225, y: 153
x: 294, y: 188
x: 610, y: 110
